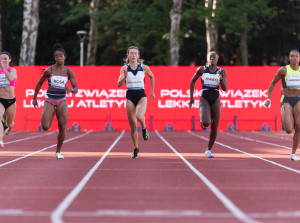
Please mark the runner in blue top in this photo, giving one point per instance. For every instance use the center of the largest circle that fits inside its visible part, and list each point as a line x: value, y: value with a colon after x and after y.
x: 210, y: 105
x: 290, y: 106
x: 133, y: 73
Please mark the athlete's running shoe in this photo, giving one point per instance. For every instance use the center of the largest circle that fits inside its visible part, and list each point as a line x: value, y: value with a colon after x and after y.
x: 134, y: 155
x: 9, y: 129
x: 145, y: 134
x: 208, y: 154
x: 1, y: 145
x: 294, y: 157
x: 59, y: 156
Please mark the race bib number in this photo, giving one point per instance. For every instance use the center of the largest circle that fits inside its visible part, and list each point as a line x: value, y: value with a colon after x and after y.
x: 59, y: 82
x: 3, y: 81
x: 293, y: 81
x: 210, y: 80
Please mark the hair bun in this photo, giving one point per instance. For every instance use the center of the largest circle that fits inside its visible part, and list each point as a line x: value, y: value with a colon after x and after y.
x: 57, y: 46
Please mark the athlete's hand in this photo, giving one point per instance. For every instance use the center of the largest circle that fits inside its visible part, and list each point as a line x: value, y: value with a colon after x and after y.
x: 191, y: 102
x: 34, y: 102
x: 220, y: 76
x: 125, y: 73
x: 267, y: 103
x: 153, y: 96
x: 68, y: 89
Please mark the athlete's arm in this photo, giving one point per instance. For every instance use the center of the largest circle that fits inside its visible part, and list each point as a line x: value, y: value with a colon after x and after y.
x: 223, y: 80
x: 73, y: 81
x: 123, y: 76
x: 280, y: 74
x: 11, y: 75
x: 152, y: 80
x: 198, y: 73
x: 45, y: 75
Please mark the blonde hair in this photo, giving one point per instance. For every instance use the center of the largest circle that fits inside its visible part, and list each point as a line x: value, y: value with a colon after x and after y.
x: 126, y: 60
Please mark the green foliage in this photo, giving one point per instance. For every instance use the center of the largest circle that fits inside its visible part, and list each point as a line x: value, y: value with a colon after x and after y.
x: 273, y: 29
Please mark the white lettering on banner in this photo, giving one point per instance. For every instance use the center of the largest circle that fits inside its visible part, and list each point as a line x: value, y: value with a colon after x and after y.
x: 85, y: 98
x: 229, y: 98
x: 176, y: 104
x: 110, y: 93
x: 178, y: 93
x: 246, y: 93
x: 100, y: 103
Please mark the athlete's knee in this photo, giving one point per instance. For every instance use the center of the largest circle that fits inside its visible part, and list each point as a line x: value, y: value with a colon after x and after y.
x: 140, y: 117
x: 205, y: 124
x: 45, y: 127
x: 288, y: 131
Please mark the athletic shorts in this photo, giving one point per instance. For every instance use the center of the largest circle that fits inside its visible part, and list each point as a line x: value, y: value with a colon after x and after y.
x: 7, y: 102
x: 135, y: 95
x: 55, y: 97
x: 291, y: 100
x: 210, y: 95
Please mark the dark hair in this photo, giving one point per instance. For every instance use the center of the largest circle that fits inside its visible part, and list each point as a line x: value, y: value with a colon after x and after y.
x: 7, y: 53
x: 294, y: 50
x: 58, y: 47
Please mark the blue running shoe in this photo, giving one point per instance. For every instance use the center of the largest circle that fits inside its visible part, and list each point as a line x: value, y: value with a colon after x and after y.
x: 208, y: 154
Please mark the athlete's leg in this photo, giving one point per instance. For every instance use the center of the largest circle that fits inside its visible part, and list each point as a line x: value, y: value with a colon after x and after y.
x: 296, y: 137
x: 2, y: 110
x: 215, y: 117
x: 287, y: 115
x: 140, y: 115
x: 62, y: 118
x: 47, y: 115
x: 141, y: 110
x: 131, y: 115
x: 10, y: 113
x: 204, y: 112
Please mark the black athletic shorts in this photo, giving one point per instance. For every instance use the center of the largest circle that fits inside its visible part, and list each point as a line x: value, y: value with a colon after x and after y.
x: 135, y: 95
x: 210, y: 95
x: 7, y: 102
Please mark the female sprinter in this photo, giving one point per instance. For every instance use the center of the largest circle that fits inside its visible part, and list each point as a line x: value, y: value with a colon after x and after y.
x: 133, y: 73
x: 8, y: 78
x: 290, y: 106
x: 58, y: 76
x: 210, y: 105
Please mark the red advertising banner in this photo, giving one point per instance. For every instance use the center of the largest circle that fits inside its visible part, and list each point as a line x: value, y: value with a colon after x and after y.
x: 100, y: 104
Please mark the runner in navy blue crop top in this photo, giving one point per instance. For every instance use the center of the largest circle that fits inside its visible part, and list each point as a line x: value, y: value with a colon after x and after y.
x: 212, y: 77
x: 133, y: 73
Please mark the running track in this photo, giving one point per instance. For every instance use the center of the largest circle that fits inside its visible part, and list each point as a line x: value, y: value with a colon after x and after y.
x: 251, y: 178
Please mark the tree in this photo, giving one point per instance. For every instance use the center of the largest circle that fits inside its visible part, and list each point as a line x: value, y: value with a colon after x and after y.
x: 239, y: 17
x: 211, y: 26
x: 30, y: 31
x: 175, y: 16
x: 93, y: 34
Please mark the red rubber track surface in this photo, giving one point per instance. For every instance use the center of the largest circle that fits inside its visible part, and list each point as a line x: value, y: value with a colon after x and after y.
x: 251, y: 179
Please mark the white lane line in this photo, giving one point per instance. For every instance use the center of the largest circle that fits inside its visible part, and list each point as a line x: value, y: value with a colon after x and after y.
x: 30, y: 154
x: 255, y: 140
x: 149, y: 214
x: 31, y: 137
x: 239, y: 214
x: 249, y: 154
x: 272, y: 136
x: 57, y: 214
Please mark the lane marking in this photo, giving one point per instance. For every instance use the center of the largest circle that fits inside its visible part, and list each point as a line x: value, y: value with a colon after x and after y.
x: 30, y: 154
x: 272, y: 136
x: 249, y: 154
x: 255, y: 140
x: 148, y: 214
x: 57, y: 214
x: 31, y: 137
x: 239, y: 214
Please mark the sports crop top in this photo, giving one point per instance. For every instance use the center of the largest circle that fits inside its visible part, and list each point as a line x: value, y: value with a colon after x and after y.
x: 3, y: 80
x: 291, y: 79
x: 58, y: 82
x: 210, y: 80
x: 136, y: 78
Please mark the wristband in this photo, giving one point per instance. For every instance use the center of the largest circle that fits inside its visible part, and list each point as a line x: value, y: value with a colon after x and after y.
x: 268, y: 99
